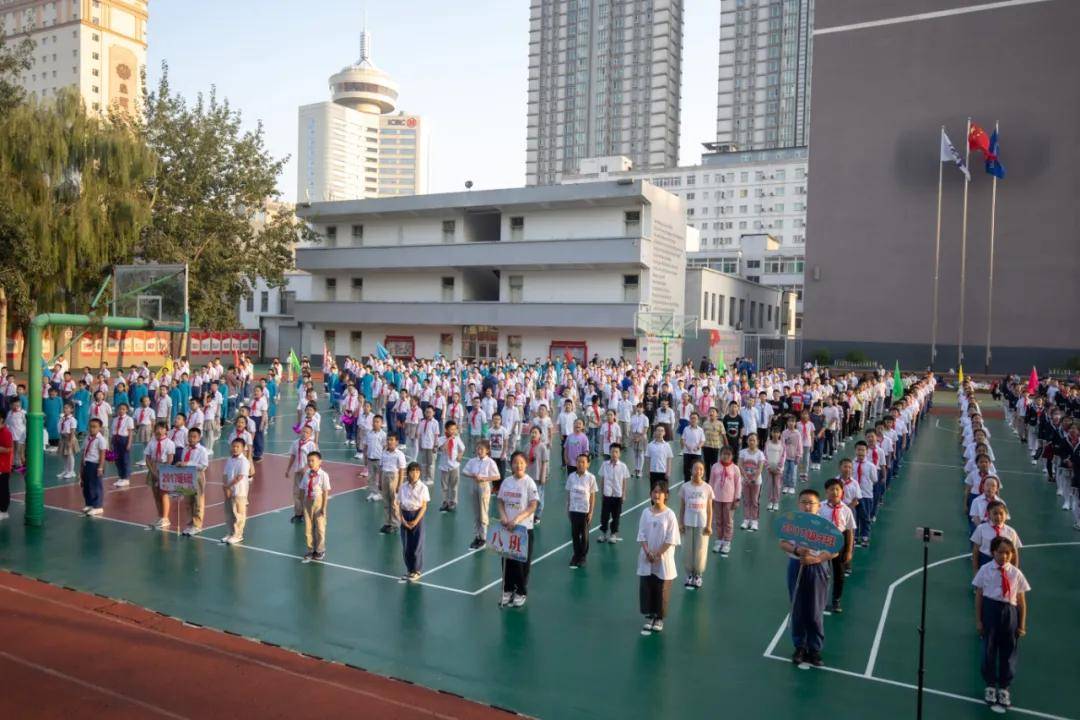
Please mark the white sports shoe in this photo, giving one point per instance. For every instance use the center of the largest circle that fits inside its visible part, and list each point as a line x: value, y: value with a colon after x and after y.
x: 504, y: 601
x: 518, y: 601
x: 4, y: 516
x: 121, y: 483
x: 726, y: 548
x: 745, y: 525
x: 717, y: 545
x: 754, y: 525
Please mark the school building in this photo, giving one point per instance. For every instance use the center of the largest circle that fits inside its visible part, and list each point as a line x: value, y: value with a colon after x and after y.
x: 888, y: 74
x: 533, y: 272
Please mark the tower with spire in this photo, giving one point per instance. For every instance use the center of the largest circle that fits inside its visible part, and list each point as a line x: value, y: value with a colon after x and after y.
x: 358, y: 144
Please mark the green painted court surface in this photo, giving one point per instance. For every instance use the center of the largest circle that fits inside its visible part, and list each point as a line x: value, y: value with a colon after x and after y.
x: 575, y: 650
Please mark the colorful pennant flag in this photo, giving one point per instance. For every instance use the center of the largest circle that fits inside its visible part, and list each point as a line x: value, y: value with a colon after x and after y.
x: 294, y: 362
x: 381, y: 352
x: 960, y: 376
x: 897, y: 383
x: 1033, y: 381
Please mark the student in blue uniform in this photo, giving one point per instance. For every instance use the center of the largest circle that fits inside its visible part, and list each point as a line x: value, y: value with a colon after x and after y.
x: 808, y: 577
x: 81, y: 400
x: 53, y: 406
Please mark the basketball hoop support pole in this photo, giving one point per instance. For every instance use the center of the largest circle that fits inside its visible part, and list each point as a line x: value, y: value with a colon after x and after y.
x: 35, y: 425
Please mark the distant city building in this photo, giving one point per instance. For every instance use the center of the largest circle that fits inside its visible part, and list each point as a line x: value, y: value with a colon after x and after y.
x: 533, y: 272
x: 96, y: 46
x: 604, y: 79
x: 355, y: 146
x: 734, y: 199
x: 763, y: 94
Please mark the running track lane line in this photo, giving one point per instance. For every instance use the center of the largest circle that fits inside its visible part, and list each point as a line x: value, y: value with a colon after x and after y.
x: 568, y: 543
x: 892, y: 587
x: 90, y: 686
x: 226, y: 653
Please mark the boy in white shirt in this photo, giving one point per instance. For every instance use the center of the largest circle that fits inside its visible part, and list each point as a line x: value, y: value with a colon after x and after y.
x: 659, y: 455
x: 482, y: 471
x: 392, y: 466
x: 237, y: 478
x: 639, y: 434
x: 427, y: 439
x: 194, y: 454
x: 614, y: 476
x: 93, y: 469
x: 451, y: 450
x: 123, y: 429
x: 375, y: 446
x: 159, y: 451
x: 580, y: 503
x: 298, y: 453
x: 315, y: 490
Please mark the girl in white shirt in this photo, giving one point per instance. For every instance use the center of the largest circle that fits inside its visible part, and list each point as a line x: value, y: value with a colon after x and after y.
x: 751, y: 463
x: 518, y: 500
x: 658, y: 535
x: 696, y: 512
x: 413, y: 498
x: 1000, y: 618
x: 69, y: 445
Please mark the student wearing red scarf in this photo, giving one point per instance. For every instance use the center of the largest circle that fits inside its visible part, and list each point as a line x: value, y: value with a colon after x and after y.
x: 1000, y: 618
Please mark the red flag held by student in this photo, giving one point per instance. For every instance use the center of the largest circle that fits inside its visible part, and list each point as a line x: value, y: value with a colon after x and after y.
x: 1033, y: 382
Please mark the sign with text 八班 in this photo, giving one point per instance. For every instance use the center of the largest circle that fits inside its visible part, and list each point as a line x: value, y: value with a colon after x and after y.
x: 511, y: 544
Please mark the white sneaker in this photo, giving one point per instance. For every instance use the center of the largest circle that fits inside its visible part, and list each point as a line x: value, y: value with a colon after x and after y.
x: 86, y: 509
x: 745, y: 525
x: 226, y: 540
x: 122, y: 482
x: 614, y: 538
x: 697, y: 581
x: 725, y: 549
x: 657, y: 625
x: 717, y: 546
x: 504, y: 601
x: 141, y: 463
x: 991, y: 695
x: 4, y: 516
x: 1003, y: 698
x: 232, y: 540
x: 358, y: 456
x: 754, y: 525
x: 95, y: 512
x: 191, y: 530
x: 1065, y: 506
x: 602, y: 538
x: 518, y: 601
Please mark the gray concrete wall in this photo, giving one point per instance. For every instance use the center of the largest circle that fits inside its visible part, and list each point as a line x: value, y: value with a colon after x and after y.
x: 880, y: 97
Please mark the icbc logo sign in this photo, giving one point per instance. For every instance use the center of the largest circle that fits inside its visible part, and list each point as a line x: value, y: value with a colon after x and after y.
x: 411, y: 122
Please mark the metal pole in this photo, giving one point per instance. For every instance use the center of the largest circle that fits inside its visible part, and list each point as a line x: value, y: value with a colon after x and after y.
x: 35, y: 419
x: 937, y: 263
x: 990, y: 277
x: 922, y: 622
x: 963, y: 248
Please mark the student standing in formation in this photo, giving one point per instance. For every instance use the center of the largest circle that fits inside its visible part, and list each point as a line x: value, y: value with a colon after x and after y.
x: 985, y: 533
x: 237, y: 477
x: 1000, y: 618
x: 159, y: 451
x: 518, y: 501
x: 866, y: 477
x: 375, y: 446
x: 539, y: 456
x: 580, y: 504
x: 427, y: 440
x: 659, y: 455
x: 639, y: 437
x: 658, y: 536
x: 298, y: 453
x: 315, y: 486
x: 610, y: 433
x: 614, y: 477
x: 145, y: 417
x: 692, y: 441
x: 808, y: 587
x: 714, y: 439
x: 697, y: 519
x: 123, y: 427
x: 69, y: 444
x: 793, y: 451
x: 413, y: 498
x: 259, y: 408
x: 194, y: 455
x: 7, y: 455
x: 726, y: 482
x: 575, y: 444
x: 496, y: 437
x: 841, y: 516
x: 751, y: 463
x: 451, y: 450
x: 775, y: 461
x: 93, y: 469
x: 482, y: 471
x: 392, y: 467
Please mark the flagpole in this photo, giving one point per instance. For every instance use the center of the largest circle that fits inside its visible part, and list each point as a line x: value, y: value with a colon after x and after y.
x: 963, y: 246
x: 937, y: 262
x: 990, y: 274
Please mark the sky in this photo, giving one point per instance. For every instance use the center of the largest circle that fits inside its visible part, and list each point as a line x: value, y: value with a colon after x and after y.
x: 462, y: 64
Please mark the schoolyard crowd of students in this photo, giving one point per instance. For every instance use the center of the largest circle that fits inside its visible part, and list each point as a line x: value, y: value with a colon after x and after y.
x: 746, y: 438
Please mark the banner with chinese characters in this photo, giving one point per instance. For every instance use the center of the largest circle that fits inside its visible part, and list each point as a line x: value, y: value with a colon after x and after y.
x: 511, y: 544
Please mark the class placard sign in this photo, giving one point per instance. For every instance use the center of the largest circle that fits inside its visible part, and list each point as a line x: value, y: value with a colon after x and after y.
x: 511, y: 544
x: 177, y: 479
x: 809, y: 531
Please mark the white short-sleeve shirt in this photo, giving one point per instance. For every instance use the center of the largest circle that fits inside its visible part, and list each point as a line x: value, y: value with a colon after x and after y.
x: 579, y: 488
x: 985, y: 533
x: 988, y: 579
x: 697, y: 498
x: 516, y: 495
x: 839, y: 515
x: 656, y: 530
x: 658, y: 454
x: 411, y: 495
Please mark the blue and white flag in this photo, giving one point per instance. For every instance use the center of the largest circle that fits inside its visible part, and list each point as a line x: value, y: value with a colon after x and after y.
x: 949, y: 154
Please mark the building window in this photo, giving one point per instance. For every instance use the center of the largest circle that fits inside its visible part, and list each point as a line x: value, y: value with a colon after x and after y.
x: 448, y: 289
x: 753, y: 264
x: 330, y: 340
x: 331, y: 235
x: 357, y: 289
x: 704, y: 306
x: 358, y: 234
x: 448, y: 229
x: 632, y: 221
x: 517, y: 287
x: 264, y: 301
x: 742, y: 310
x: 287, y: 302
x: 731, y: 312
x: 331, y: 288
x: 251, y: 303
x: 631, y: 288
x: 517, y: 223
x: 718, y: 309
x: 513, y: 346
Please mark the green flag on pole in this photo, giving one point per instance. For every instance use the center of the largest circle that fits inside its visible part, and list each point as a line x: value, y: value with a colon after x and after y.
x: 294, y: 361
x: 897, y: 383
x: 720, y: 364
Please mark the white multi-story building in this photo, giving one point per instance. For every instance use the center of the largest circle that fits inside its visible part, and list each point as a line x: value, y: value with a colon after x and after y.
x: 531, y: 272
x: 604, y: 79
x: 355, y: 146
x: 763, y: 92
x: 97, y: 46
x: 733, y: 199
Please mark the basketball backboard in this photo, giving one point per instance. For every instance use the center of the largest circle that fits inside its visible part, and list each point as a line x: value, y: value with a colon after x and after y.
x: 158, y: 293
x: 664, y: 325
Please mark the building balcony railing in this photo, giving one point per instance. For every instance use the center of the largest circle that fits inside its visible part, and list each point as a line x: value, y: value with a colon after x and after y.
x: 450, y: 314
x: 584, y: 253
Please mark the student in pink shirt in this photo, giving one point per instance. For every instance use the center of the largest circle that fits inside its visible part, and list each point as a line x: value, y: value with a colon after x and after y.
x: 793, y: 451
x: 726, y: 482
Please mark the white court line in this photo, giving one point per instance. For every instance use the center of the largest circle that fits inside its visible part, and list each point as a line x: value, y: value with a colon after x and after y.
x: 89, y: 685
x: 339, y: 566
x: 551, y: 552
x: 892, y: 587
x: 277, y: 510
x: 961, y: 467
x: 932, y: 691
x: 937, y: 424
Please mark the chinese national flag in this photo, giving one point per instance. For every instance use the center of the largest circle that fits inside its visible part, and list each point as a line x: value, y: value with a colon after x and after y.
x: 979, y: 140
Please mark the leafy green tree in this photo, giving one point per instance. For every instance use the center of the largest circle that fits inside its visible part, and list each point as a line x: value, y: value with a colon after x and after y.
x: 213, y: 184
x: 15, y: 59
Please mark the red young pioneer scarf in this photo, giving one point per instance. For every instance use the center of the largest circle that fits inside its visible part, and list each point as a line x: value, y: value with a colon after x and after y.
x: 1006, y: 587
